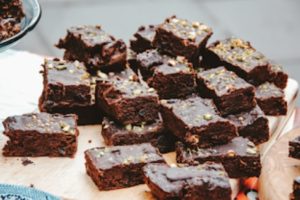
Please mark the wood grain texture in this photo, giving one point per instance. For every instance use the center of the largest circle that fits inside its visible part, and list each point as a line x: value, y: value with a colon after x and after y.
x: 279, y: 171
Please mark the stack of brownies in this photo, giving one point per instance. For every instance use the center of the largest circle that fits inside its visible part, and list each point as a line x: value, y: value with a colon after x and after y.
x: 11, y: 14
x: 168, y: 92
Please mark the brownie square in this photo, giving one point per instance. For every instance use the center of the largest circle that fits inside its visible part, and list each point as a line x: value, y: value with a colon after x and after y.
x: 253, y: 125
x: 117, y: 134
x: 143, y: 39
x: 230, y: 93
x: 271, y: 100
x: 41, y: 134
x: 279, y: 77
x: 120, y: 166
x: 69, y: 88
x: 294, y: 148
x: 174, y: 79
x: 96, y: 48
x: 239, y: 157
x: 148, y: 60
x: 239, y: 56
x: 127, y: 99
x: 179, y: 37
x: 202, y: 182
x: 196, y: 121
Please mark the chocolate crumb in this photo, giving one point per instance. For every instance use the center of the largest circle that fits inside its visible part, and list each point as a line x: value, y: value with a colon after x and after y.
x: 31, y: 185
x: 26, y: 161
x: 90, y: 141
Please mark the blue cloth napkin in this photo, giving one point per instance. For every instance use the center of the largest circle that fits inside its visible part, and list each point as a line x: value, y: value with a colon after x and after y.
x: 13, y: 192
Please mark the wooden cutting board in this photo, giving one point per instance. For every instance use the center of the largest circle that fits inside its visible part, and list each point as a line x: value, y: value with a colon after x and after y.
x: 66, y: 177
x: 279, y: 171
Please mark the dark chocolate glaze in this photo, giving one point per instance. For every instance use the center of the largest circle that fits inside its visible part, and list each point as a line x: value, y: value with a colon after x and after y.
x: 104, y: 158
x: 42, y: 123
x: 239, y: 53
x: 222, y: 81
x: 176, y: 182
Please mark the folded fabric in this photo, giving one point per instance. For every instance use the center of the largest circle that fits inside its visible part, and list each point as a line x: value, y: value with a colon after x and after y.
x: 13, y: 192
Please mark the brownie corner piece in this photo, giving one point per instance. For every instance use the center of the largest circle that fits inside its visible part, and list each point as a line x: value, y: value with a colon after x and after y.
x: 119, y: 166
x: 96, y: 48
x: 294, y: 148
x: 196, y: 121
x: 180, y: 37
x: 127, y: 99
x: 279, y: 77
x: 252, y: 124
x: 230, y: 93
x: 271, y: 99
x: 66, y: 83
x: 240, y: 157
x: 41, y: 134
x: 206, y: 181
x: 143, y: 39
x: 69, y: 88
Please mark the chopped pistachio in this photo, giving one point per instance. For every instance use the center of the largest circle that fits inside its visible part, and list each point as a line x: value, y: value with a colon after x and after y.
x: 50, y: 66
x: 85, y: 76
x: 60, y: 67
x: 64, y: 126
x: 173, y: 165
x: 137, y: 128
x: 137, y: 91
x: 207, y: 117
x: 231, y: 153
x: 144, y: 158
x: 251, y: 144
x: 163, y: 101
x: 252, y: 151
x: 102, y: 75
x: 196, y: 24
x: 105, y: 126
x: 192, y: 35
x: 151, y: 90
x: 128, y: 127
x: 180, y: 59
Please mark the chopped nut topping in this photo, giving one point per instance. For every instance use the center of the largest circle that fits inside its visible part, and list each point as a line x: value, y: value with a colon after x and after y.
x: 173, y: 165
x: 65, y: 127
x: 207, y: 117
x: 144, y: 158
x: 50, y: 66
x: 85, y: 76
x: 252, y: 151
x: 172, y: 62
x: 60, y: 67
x: 102, y: 75
x: 137, y: 92
x: 151, y: 90
x: 231, y: 153
x: 128, y: 127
